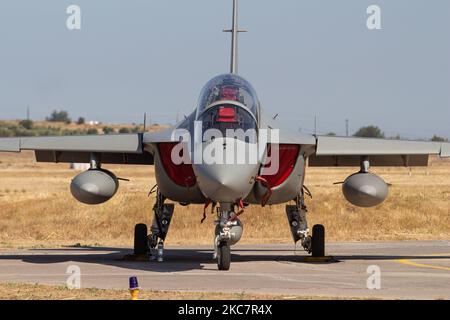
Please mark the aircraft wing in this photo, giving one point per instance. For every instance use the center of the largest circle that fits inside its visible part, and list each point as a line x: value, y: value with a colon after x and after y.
x: 344, y: 151
x: 114, y: 148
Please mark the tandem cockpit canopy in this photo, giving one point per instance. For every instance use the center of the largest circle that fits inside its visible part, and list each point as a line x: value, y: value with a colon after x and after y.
x: 228, y: 102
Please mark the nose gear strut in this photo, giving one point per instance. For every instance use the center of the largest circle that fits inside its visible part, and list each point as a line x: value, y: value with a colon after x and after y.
x: 228, y: 232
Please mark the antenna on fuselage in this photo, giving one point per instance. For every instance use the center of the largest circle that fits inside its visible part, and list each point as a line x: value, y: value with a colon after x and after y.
x: 234, y: 38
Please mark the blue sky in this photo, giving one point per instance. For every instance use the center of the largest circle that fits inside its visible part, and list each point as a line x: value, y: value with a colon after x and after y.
x: 305, y: 59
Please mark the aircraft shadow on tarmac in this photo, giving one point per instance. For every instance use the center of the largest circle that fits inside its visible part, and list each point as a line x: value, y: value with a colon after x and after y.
x: 182, y: 259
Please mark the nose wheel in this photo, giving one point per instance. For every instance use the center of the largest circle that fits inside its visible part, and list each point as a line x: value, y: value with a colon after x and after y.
x: 227, y: 233
x: 223, y: 256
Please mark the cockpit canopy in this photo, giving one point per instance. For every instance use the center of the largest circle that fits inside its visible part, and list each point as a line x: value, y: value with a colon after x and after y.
x: 228, y: 102
x: 228, y: 87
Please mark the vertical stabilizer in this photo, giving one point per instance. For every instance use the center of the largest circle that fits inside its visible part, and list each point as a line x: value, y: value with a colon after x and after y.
x: 234, y: 38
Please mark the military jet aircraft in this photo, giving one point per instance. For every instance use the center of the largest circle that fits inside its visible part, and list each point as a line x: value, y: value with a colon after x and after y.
x: 199, y: 162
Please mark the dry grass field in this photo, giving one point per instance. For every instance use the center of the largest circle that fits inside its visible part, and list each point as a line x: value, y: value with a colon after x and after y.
x: 13, y: 291
x: 37, y: 209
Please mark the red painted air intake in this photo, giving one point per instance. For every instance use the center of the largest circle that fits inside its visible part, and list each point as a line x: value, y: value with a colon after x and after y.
x: 181, y: 174
x: 288, y: 154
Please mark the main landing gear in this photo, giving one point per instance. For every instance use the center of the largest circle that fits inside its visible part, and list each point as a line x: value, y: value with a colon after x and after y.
x: 228, y: 231
x: 152, y: 244
x: 296, y: 214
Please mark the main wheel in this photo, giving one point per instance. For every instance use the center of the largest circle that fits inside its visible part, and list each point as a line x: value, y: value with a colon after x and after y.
x: 223, y: 256
x: 318, y: 241
x: 140, y: 239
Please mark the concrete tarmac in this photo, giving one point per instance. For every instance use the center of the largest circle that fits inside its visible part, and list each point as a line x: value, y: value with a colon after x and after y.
x: 407, y: 269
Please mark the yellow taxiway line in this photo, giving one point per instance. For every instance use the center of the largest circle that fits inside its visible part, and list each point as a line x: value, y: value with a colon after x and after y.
x: 421, y: 265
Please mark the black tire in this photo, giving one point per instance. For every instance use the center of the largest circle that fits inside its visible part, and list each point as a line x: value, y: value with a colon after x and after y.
x: 140, y: 239
x: 223, y: 256
x: 318, y: 241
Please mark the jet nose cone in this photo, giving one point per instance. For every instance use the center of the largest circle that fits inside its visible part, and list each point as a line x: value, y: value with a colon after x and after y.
x: 229, y: 175
x: 226, y: 183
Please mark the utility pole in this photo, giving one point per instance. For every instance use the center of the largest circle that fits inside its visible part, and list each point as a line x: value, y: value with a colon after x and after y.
x: 315, y: 124
x: 145, y: 121
x: 28, y: 112
x: 346, y: 127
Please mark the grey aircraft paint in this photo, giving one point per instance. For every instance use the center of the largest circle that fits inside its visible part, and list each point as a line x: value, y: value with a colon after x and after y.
x: 231, y: 186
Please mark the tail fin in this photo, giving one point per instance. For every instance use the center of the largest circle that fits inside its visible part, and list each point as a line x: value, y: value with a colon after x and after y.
x: 234, y: 38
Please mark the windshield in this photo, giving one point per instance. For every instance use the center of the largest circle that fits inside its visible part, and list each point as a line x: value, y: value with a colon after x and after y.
x: 225, y: 117
x: 228, y: 87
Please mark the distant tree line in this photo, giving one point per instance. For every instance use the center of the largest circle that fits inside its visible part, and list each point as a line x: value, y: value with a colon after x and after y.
x: 59, y: 116
x: 27, y: 128
x: 370, y: 132
x: 375, y: 132
x: 439, y: 139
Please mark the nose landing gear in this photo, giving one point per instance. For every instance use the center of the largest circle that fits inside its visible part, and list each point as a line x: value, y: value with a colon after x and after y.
x: 223, y: 256
x: 228, y: 232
